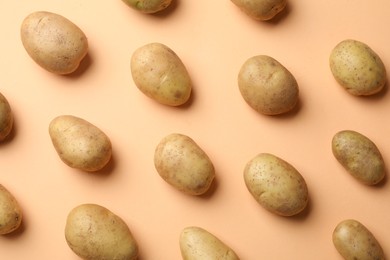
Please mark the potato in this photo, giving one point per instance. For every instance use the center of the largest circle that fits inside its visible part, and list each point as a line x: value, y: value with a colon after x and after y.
x: 53, y: 42
x: 276, y: 185
x: 354, y: 241
x: 160, y: 74
x: 359, y: 156
x: 6, y: 118
x: 261, y: 9
x: 10, y: 212
x: 183, y: 164
x: 357, y: 68
x: 95, y: 233
x: 148, y: 6
x: 80, y: 144
x: 198, y: 244
x: 267, y: 86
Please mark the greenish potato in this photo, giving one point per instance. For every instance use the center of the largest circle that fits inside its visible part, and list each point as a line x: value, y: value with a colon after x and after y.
x: 261, y: 9
x: 148, y: 6
x: 10, y: 212
x: 6, y: 118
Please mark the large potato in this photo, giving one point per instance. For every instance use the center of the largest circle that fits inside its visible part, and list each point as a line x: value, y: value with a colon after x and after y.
x: 261, y: 9
x: 359, y: 156
x: 95, y: 233
x: 148, y: 6
x: 10, y: 212
x: 183, y: 164
x: 160, y: 74
x: 357, y: 68
x: 198, y: 244
x: 53, y: 42
x: 354, y: 241
x: 267, y: 86
x: 6, y: 118
x: 80, y: 144
x: 276, y: 185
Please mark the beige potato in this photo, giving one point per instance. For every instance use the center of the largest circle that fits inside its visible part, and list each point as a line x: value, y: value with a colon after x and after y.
x: 159, y: 73
x: 261, y: 9
x: 10, y: 212
x: 198, y: 244
x: 148, y: 6
x: 183, y: 164
x: 79, y: 143
x: 357, y: 68
x: 354, y: 241
x: 53, y: 42
x: 359, y: 156
x: 6, y: 118
x: 93, y: 232
x: 276, y: 185
x: 267, y: 86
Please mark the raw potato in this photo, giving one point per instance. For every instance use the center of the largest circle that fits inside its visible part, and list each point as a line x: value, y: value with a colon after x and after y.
x: 53, y: 42
x: 80, y: 144
x: 160, y: 74
x: 357, y: 68
x: 10, y: 212
x: 183, y: 164
x: 95, y: 233
x: 148, y: 6
x: 267, y: 86
x: 198, y: 244
x: 6, y: 118
x: 354, y: 241
x: 276, y: 185
x: 359, y: 156
x: 261, y: 9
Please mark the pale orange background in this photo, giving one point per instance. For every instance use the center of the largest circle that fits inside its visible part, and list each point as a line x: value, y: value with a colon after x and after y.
x: 213, y: 38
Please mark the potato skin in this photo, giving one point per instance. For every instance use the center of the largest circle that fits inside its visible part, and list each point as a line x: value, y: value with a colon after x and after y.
x: 6, y: 118
x: 95, y: 233
x: 198, y: 244
x: 261, y: 9
x: 53, y: 42
x: 160, y: 74
x: 10, y: 212
x: 267, y: 86
x: 354, y: 241
x: 183, y: 164
x: 276, y: 185
x: 357, y: 68
x: 359, y: 156
x: 148, y: 6
x: 80, y: 144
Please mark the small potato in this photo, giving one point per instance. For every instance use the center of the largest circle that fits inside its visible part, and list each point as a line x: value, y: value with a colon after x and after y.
x: 183, y: 164
x: 261, y: 9
x: 80, y: 144
x: 160, y: 74
x: 10, y: 212
x: 93, y: 232
x: 148, y: 6
x: 198, y: 244
x: 6, y: 118
x: 359, y: 156
x: 357, y: 68
x: 354, y: 241
x: 53, y: 42
x: 267, y: 86
x: 276, y: 185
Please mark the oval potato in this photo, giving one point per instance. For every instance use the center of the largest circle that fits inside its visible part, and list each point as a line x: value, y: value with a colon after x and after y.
x: 357, y: 68
x: 198, y: 244
x: 148, y: 6
x: 159, y: 73
x: 359, y: 156
x: 354, y: 241
x: 261, y: 9
x: 267, y: 86
x: 183, y: 164
x: 94, y: 232
x: 10, y: 212
x: 276, y: 185
x: 79, y: 143
x: 6, y: 118
x: 53, y: 42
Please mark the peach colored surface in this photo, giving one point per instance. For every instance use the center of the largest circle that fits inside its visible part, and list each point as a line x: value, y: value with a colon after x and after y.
x: 213, y: 38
